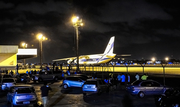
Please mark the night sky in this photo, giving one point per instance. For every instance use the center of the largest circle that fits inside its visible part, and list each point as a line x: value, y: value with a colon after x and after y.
x: 142, y: 28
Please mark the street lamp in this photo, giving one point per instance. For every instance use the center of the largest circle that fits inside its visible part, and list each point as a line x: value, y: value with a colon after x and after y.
x: 41, y: 38
x: 164, y: 65
x: 24, y: 45
x: 153, y: 59
x: 76, y: 24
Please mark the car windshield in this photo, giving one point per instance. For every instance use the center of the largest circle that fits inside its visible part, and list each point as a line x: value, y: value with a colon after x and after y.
x: 136, y: 82
x: 8, y: 80
x: 83, y: 78
x: 22, y: 75
x: 91, y: 82
x: 24, y: 90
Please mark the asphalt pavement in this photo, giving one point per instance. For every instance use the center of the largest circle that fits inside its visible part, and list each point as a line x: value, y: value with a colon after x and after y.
x: 118, y: 97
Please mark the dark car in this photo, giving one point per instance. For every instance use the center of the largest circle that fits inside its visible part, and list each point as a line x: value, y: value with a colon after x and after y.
x: 6, y: 76
x: 6, y: 83
x: 20, y: 77
x: 95, y: 86
x: 82, y: 75
x: 146, y: 87
x: 171, y: 98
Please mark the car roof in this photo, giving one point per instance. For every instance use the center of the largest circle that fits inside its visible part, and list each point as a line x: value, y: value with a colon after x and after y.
x: 93, y: 79
x: 74, y: 76
x: 8, y: 78
x: 22, y: 86
x: 5, y: 74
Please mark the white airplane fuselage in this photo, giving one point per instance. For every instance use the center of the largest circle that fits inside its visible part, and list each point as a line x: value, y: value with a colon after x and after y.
x: 94, y: 59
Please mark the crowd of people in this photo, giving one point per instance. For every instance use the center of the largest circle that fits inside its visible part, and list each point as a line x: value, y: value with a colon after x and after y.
x: 121, y: 79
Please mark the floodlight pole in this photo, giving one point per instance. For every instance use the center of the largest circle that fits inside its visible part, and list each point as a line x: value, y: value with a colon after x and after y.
x: 77, y: 47
x: 40, y: 45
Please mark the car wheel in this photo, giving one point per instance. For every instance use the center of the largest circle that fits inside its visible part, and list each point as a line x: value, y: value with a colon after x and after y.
x: 40, y: 80
x: 141, y: 94
x: 65, y: 86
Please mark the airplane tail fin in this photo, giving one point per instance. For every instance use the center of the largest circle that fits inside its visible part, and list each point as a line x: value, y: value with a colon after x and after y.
x: 110, y: 47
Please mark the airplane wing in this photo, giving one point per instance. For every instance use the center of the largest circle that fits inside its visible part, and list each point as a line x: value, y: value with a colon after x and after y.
x: 64, y: 59
x: 73, y: 58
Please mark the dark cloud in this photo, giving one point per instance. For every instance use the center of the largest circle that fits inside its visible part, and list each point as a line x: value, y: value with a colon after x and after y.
x: 138, y: 26
x: 132, y: 11
x: 4, y: 5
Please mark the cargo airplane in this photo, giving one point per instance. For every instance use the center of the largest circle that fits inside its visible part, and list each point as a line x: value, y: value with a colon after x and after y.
x: 94, y: 59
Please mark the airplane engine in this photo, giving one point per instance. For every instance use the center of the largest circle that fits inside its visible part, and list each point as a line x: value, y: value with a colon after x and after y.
x: 69, y: 61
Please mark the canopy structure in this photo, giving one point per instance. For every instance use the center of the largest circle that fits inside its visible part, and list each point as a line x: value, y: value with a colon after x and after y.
x: 9, y: 54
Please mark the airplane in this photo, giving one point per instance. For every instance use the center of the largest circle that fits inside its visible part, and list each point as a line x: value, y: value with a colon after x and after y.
x: 94, y: 59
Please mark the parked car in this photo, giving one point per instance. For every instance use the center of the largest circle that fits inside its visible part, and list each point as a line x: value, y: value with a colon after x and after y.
x: 95, y: 86
x: 47, y: 75
x: 73, y: 81
x: 22, y: 95
x: 6, y: 83
x: 171, y: 98
x: 146, y: 87
x: 20, y: 77
x: 82, y: 75
x: 6, y: 76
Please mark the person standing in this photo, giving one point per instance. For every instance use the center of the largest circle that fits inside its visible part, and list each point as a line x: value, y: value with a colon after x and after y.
x: 119, y: 79
x: 44, y: 93
x: 137, y: 76
x: 106, y: 80
x: 123, y: 79
x: 27, y: 72
x: 129, y: 79
x: 25, y: 79
x: 11, y: 73
x: 144, y: 77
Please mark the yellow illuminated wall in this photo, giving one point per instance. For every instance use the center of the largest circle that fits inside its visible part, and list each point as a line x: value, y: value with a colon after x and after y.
x: 8, y: 59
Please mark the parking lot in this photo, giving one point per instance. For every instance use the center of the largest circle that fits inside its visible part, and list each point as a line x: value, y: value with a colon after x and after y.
x: 73, y: 97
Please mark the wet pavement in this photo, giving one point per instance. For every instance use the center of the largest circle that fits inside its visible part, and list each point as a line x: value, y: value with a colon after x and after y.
x: 73, y: 97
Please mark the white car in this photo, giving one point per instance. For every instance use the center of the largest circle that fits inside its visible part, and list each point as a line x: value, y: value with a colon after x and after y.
x: 6, y: 83
x: 22, y: 95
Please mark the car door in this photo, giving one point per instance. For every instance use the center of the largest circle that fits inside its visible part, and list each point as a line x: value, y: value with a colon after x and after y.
x: 49, y: 75
x: 102, y: 85
x: 158, y: 88
x: 147, y: 87
x: 76, y: 82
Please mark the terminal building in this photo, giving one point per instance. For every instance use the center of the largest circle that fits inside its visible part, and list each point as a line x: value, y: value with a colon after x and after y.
x: 9, y: 54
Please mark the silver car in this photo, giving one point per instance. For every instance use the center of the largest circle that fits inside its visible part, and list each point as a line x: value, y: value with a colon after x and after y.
x: 146, y: 87
x: 95, y: 86
x: 22, y: 95
x: 6, y: 83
